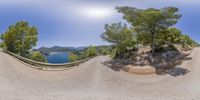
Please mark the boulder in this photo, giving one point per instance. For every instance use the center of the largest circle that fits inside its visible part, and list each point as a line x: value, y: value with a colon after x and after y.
x: 141, y: 70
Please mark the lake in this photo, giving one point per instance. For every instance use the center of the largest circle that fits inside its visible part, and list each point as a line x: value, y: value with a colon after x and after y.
x: 58, y: 57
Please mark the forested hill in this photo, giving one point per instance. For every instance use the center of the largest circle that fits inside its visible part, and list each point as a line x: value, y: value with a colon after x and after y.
x: 46, y: 50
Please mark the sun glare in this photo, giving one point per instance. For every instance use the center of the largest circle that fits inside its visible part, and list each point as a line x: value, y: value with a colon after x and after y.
x: 96, y: 12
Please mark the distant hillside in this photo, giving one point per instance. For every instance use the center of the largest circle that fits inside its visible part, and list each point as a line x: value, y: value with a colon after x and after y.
x: 47, y: 50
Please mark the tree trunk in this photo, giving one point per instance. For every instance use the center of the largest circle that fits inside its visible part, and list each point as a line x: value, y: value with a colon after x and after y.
x: 153, y: 43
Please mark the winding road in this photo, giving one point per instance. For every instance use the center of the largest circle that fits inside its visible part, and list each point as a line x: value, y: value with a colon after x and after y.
x: 93, y: 80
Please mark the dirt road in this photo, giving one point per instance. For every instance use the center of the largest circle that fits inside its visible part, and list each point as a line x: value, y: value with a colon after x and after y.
x: 93, y: 80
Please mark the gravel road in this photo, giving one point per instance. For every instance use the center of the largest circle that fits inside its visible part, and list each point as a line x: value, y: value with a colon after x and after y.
x: 94, y: 81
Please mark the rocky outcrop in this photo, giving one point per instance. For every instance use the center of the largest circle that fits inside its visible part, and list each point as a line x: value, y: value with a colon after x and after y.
x: 141, y: 70
x: 145, y: 62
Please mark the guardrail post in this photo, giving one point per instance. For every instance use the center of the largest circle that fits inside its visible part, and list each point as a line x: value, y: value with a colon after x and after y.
x: 41, y: 67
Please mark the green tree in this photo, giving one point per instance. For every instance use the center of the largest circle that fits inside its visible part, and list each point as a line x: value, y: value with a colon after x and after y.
x: 150, y: 21
x: 37, y: 56
x: 186, y: 40
x: 73, y: 57
x: 103, y: 51
x: 120, y: 36
x: 169, y: 36
x: 1, y: 37
x: 90, y: 51
x: 20, y: 38
x: 143, y: 39
x: 2, y: 45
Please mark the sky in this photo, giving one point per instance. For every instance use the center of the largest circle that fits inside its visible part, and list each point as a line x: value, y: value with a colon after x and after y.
x: 80, y: 22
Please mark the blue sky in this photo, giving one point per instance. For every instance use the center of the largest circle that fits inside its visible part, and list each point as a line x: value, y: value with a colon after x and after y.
x: 80, y: 22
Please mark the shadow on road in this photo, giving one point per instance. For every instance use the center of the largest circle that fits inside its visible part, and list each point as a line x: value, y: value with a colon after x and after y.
x: 114, y: 65
x: 178, y: 71
x: 170, y: 67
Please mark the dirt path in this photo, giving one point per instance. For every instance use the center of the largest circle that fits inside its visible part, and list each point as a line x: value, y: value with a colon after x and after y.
x: 94, y: 81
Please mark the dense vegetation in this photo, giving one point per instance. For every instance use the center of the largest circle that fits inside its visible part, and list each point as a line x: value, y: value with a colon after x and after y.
x: 73, y: 57
x: 120, y: 36
x: 148, y: 27
x: 87, y: 52
x: 37, y: 56
x: 103, y: 49
x: 20, y: 38
x: 47, y: 50
x: 150, y: 21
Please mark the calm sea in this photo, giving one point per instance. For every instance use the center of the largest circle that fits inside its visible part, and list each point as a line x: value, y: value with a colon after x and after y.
x: 58, y: 57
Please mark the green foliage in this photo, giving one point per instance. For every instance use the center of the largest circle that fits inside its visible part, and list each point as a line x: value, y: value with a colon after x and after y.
x: 120, y: 36
x: 150, y: 21
x: 172, y: 36
x: 165, y: 48
x: 150, y: 27
x: 2, y: 45
x: 186, y: 40
x: 88, y: 52
x: 168, y: 37
x: 1, y: 37
x: 113, y: 53
x: 104, y: 51
x: 37, y: 56
x: 20, y: 38
x: 116, y: 32
x: 73, y: 57
x: 143, y: 38
x: 91, y: 51
x: 82, y: 55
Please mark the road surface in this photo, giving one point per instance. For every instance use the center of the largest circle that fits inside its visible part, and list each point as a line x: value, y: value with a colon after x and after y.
x: 93, y: 80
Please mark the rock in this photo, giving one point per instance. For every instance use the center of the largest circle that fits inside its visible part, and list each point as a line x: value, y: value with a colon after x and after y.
x: 152, y: 59
x: 168, y: 54
x: 141, y: 70
x: 159, y: 65
x: 164, y: 63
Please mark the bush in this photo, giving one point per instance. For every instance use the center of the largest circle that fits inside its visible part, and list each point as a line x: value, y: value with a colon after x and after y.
x: 2, y: 45
x: 120, y: 36
x: 73, y: 57
x: 37, y: 56
x: 166, y: 48
x: 113, y: 53
x: 90, y: 51
x: 104, y: 51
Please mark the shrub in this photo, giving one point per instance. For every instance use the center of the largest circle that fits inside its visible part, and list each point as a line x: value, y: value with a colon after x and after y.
x: 37, y: 56
x: 73, y: 57
x: 90, y: 51
x: 2, y: 45
x: 166, y: 48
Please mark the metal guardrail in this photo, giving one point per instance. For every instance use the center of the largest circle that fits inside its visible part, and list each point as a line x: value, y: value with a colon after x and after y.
x: 47, y: 66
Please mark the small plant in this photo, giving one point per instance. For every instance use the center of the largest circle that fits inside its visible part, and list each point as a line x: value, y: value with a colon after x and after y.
x: 104, y: 51
x: 2, y: 45
x: 91, y: 51
x: 37, y: 56
x: 73, y: 57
